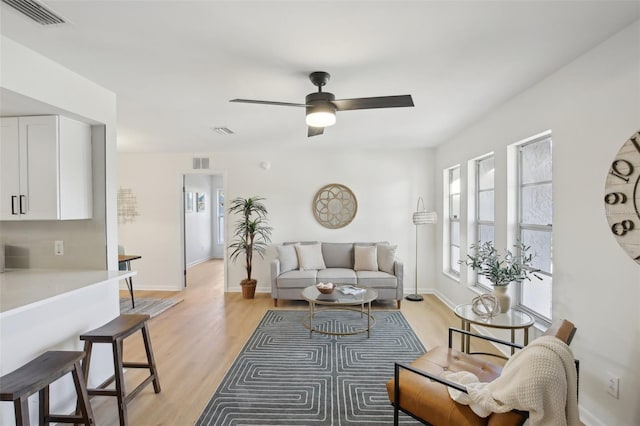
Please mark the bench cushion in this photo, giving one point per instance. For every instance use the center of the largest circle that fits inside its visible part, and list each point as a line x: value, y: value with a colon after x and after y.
x: 337, y: 276
x: 376, y: 279
x: 297, y: 279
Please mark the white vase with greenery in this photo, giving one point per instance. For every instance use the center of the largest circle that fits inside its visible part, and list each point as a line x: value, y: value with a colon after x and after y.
x: 501, y: 270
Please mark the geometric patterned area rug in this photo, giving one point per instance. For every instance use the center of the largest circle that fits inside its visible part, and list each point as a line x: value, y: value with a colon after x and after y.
x: 147, y: 305
x: 284, y: 377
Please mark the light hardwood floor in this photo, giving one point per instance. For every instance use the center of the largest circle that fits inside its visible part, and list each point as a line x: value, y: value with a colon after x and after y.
x: 196, y: 341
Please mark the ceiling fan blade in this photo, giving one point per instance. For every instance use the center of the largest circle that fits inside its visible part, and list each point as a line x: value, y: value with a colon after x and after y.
x: 375, y: 102
x: 252, y: 101
x: 314, y: 131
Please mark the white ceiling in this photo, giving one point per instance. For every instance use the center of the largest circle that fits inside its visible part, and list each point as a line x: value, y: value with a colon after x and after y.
x: 174, y: 65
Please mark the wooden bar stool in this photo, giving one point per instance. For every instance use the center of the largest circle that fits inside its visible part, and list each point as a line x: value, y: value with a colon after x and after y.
x: 36, y: 376
x: 114, y: 332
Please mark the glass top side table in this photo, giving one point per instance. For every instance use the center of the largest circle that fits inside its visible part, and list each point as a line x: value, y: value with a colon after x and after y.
x: 511, y: 320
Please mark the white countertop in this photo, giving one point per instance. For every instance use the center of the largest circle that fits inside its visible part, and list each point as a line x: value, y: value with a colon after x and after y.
x: 22, y: 288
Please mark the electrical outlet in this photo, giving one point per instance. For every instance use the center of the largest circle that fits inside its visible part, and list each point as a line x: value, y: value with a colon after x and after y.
x: 58, y: 248
x: 613, y: 385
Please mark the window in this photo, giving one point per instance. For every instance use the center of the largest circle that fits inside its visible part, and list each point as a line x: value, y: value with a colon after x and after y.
x: 454, y: 219
x: 534, y: 228
x: 220, y: 215
x: 484, y: 207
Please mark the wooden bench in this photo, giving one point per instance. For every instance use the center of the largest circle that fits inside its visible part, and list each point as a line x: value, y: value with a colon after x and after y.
x: 36, y: 376
x: 113, y: 333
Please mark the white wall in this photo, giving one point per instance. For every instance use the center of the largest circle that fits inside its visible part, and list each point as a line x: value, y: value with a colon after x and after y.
x: 37, y: 80
x: 386, y: 183
x: 592, y: 107
x: 199, y: 224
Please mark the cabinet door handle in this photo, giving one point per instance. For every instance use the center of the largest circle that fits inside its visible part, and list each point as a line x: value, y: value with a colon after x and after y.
x: 13, y: 204
x: 22, y: 197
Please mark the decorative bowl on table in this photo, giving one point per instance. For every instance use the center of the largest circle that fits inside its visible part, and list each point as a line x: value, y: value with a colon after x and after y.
x: 325, y: 288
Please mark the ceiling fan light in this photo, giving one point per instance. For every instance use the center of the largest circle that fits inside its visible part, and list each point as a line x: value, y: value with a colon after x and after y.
x: 321, y: 119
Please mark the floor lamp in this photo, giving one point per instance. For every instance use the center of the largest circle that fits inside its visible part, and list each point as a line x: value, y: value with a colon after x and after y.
x: 420, y: 217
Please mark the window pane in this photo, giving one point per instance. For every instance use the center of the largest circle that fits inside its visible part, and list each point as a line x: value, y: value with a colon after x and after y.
x: 485, y: 206
x: 536, y: 211
x: 454, y: 181
x: 455, y: 233
x: 485, y: 173
x: 220, y: 229
x: 536, y: 295
x: 537, y: 205
x: 455, y: 206
x: 455, y: 256
x: 484, y: 282
x: 536, y: 162
x: 540, y: 242
x: 485, y: 233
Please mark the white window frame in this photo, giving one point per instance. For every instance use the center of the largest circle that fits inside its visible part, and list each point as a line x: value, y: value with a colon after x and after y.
x: 516, y: 210
x: 450, y: 266
x: 486, y: 285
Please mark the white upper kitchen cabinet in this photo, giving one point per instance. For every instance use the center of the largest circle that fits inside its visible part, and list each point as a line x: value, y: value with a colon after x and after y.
x: 45, y: 168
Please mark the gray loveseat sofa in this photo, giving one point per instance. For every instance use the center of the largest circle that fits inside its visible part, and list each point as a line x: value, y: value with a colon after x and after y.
x: 372, y: 265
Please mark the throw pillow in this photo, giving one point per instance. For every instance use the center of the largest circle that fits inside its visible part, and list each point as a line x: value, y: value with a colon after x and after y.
x: 288, y: 258
x: 310, y: 256
x: 387, y: 257
x: 365, y: 258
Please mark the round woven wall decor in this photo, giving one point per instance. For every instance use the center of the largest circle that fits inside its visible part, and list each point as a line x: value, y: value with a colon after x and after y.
x: 334, y: 206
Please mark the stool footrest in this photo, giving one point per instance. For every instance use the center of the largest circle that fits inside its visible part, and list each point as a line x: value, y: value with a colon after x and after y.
x: 138, y: 389
x: 62, y: 418
x: 135, y: 365
x: 102, y: 392
x: 103, y: 384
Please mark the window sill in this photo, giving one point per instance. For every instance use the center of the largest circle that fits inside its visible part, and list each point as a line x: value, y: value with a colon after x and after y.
x: 451, y: 276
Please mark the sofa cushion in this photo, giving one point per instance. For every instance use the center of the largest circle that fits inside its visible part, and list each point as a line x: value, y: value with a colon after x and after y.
x: 309, y: 256
x: 337, y: 276
x: 288, y: 258
x: 365, y: 258
x: 338, y: 255
x: 376, y: 279
x: 387, y: 257
x: 297, y: 279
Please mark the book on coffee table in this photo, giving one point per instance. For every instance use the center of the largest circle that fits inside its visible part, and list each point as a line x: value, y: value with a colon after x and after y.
x: 349, y: 289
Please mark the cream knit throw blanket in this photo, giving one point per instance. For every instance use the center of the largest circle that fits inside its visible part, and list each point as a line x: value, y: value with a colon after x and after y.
x: 540, y: 379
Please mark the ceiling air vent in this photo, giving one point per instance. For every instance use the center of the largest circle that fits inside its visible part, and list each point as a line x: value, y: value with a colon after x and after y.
x: 223, y: 130
x: 34, y: 10
x: 201, y: 163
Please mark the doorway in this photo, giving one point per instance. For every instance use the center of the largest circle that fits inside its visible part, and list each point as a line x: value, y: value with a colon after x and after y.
x: 203, y: 220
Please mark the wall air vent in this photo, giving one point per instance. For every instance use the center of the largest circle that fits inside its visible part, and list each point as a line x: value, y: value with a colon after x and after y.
x: 36, y: 11
x: 201, y: 163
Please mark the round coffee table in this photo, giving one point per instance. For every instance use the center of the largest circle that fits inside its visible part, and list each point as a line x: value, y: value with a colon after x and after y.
x: 340, y: 300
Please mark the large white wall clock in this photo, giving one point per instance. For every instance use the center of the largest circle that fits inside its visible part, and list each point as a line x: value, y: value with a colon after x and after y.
x: 622, y: 197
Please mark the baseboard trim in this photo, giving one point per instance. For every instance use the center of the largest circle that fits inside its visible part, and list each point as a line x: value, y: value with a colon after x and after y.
x: 199, y: 261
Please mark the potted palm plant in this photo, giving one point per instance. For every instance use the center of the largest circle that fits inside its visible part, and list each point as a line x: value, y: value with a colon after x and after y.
x: 251, y: 235
x: 501, y: 270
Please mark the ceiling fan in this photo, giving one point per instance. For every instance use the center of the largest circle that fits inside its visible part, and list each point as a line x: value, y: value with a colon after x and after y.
x: 322, y: 106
